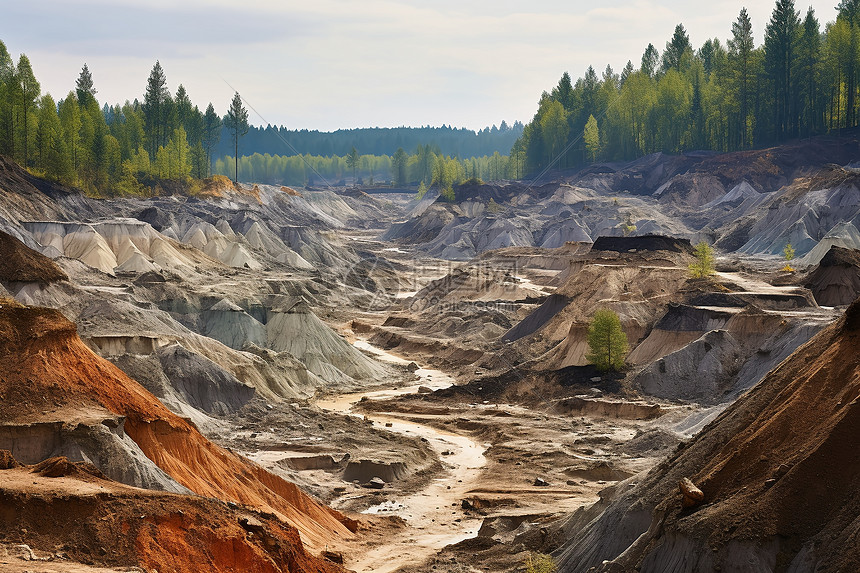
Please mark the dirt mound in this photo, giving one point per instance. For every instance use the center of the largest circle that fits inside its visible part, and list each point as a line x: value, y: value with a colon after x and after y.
x: 19, y: 263
x: 44, y: 362
x: 836, y: 279
x: 103, y: 523
x: 642, y: 243
x: 62, y: 467
x: 7, y: 461
x: 778, y: 469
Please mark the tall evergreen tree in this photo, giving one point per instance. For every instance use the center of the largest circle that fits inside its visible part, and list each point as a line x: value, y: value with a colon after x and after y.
x: 650, y: 59
x: 780, y: 42
x: 849, y: 11
x: 84, y: 86
x: 237, y: 122
x: 741, y: 47
x: 676, y: 49
x: 211, y: 133
x: 155, y: 108
x: 807, y: 63
x: 7, y: 81
x: 29, y: 90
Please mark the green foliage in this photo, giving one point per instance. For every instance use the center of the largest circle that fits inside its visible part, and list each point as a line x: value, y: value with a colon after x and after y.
x: 399, y: 163
x: 422, y: 190
x: 540, y: 563
x: 788, y: 252
x: 606, y: 341
x: 628, y: 227
x: 799, y: 83
x: 704, y: 265
x: 352, y: 161
x: 591, y: 134
x: 236, y: 122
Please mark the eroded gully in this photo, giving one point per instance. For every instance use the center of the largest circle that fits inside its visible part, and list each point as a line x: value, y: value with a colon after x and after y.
x: 432, y: 515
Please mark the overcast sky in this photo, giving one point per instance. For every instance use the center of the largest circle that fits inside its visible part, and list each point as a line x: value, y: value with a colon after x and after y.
x: 329, y: 64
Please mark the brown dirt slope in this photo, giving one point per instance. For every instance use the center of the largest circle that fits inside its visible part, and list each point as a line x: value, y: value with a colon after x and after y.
x: 62, y: 507
x: 43, y: 361
x: 779, y: 469
x: 19, y: 263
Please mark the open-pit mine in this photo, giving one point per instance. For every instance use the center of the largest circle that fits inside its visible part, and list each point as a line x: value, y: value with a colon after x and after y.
x: 265, y: 379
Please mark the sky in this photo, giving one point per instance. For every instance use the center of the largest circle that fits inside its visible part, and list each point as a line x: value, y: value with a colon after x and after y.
x: 331, y: 64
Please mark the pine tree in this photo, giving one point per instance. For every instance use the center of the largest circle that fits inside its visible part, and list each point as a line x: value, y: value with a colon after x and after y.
x: 398, y: 167
x: 606, y: 341
x: 741, y: 47
x: 237, y: 122
x: 28, y: 91
x: 780, y: 42
x: 211, y: 133
x: 7, y: 81
x: 650, y: 59
x: 84, y: 87
x: 352, y: 161
x: 155, y: 108
x: 676, y: 49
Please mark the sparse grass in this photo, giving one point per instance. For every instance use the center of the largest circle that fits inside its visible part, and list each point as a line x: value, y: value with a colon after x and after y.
x: 540, y: 563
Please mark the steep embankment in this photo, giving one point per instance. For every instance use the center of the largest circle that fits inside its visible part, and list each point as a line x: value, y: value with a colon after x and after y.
x: 59, y: 504
x: 49, y: 375
x: 836, y: 279
x: 779, y: 470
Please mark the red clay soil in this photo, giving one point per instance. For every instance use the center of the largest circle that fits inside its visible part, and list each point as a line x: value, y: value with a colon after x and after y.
x: 43, y: 361
x: 19, y: 263
x: 59, y: 506
x: 780, y: 468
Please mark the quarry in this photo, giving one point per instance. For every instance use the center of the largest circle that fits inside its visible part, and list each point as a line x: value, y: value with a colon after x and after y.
x: 257, y: 378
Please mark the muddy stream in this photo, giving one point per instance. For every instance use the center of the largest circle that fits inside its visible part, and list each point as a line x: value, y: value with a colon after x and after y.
x: 433, y: 515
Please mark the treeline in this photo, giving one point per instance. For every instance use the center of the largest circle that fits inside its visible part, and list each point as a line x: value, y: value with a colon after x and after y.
x: 119, y: 149
x: 427, y: 167
x: 135, y: 147
x: 457, y: 142
x: 802, y: 81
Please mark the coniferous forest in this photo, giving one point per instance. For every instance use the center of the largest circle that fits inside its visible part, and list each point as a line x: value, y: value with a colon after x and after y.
x: 730, y: 96
x: 803, y: 80
x: 136, y: 147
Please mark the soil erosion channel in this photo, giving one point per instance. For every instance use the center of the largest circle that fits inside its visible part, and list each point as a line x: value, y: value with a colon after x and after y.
x: 429, y: 514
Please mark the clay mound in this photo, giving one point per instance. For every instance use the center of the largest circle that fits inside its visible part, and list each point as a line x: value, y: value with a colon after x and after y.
x: 44, y: 361
x: 106, y: 524
x: 201, y: 383
x: 62, y: 467
x: 642, y: 243
x: 7, y: 460
x: 836, y: 279
x: 779, y: 470
x: 19, y: 263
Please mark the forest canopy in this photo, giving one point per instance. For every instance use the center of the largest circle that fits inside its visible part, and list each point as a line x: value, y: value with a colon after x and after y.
x: 133, y: 148
x: 802, y: 81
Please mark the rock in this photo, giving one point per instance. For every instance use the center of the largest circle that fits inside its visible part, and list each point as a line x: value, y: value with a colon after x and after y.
x: 22, y: 552
x: 376, y: 483
x: 332, y: 556
x: 693, y: 496
x: 541, y: 482
x: 424, y: 390
x: 412, y: 367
